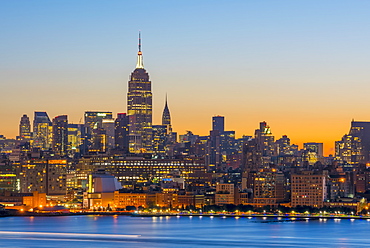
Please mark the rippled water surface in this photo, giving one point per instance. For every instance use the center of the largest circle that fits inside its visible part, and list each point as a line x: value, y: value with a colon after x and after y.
x: 125, y: 231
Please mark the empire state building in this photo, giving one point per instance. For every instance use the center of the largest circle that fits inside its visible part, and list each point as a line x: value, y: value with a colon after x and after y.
x: 139, y: 108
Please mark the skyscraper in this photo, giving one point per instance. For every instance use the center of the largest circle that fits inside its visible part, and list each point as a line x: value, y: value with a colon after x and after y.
x: 121, y: 133
x: 25, y: 128
x: 166, y: 117
x: 93, y: 126
x: 218, y: 123
x: 42, y: 131
x: 139, y: 108
x: 60, y: 135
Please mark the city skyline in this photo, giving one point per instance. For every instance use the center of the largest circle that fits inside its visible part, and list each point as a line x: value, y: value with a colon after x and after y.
x: 303, y: 72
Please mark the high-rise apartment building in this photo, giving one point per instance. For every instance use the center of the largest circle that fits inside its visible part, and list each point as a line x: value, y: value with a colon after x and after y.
x: 139, y: 108
x: 25, y: 128
x: 60, y: 135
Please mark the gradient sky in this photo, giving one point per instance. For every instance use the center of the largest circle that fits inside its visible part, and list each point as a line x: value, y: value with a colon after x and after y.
x: 301, y: 66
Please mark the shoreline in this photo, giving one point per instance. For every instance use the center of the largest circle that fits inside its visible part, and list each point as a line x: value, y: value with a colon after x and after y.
x: 207, y: 215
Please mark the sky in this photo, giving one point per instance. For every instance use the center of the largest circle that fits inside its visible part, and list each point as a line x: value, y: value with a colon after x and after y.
x: 301, y: 66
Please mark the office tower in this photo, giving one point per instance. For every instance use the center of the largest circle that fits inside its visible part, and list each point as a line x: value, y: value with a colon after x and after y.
x: 99, y: 141
x: 94, y: 119
x: 109, y: 125
x: 354, y: 147
x: 60, y: 135
x: 265, y: 139
x: 361, y: 129
x: 315, y: 147
x: 139, y: 108
x: 313, y: 152
x: 268, y: 187
x: 218, y: 123
x: 121, y: 136
x: 166, y: 117
x: 213, y: 150
x: 74, y: 138
x: 93, y: 122
x: 42, y: 131
x: 159, y: 139
x: 25, y: 128
x: 349, y: 150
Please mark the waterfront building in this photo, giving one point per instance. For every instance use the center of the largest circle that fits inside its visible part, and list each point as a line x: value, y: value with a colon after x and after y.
x: 308, y: 189
x: 224, y: 194
x: 135, y: 171
x: 43, y: 175
x: 139, y: 108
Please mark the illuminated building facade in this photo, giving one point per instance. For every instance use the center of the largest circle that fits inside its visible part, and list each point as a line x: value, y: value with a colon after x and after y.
x: 25, y: 128
x: 43, y: 176
x: 308, y: 189
x: 134, y: 171
x: 42, y: 131
x: 109, y: 126
x: 159, y: 139
x: 60, y: 135
x: 95, y: 135
x: 74, y: 138
x: 139, y: 108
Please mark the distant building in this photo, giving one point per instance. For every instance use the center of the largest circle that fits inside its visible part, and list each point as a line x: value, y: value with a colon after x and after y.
x: 166, y: 118
x: 121, y: 135
x: 25, y: 128
x: 218, y: 123
x: 60, y: 135
x: 109, y: 126
x: 159, y: 139
x: 42, y: 131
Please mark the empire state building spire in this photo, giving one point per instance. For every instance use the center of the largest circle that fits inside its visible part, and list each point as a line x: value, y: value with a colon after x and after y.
x: 140, y: 64
x: 139, y: 108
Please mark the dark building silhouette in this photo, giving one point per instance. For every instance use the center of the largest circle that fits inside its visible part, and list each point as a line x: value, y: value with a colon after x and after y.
x: 121, y: 135
x: 218, y: 123
x: 166, y: 117
x: 60, y: 135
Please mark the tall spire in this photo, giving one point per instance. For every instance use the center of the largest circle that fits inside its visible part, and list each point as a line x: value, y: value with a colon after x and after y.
x: 140, y: 63
x: 166, y: 116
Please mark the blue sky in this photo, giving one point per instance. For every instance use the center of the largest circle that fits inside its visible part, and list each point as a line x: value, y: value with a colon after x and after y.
x: 299, y: 65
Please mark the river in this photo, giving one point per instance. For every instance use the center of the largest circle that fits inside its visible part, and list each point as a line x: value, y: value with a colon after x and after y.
x: 184, y: 231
